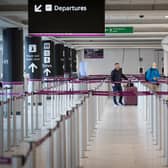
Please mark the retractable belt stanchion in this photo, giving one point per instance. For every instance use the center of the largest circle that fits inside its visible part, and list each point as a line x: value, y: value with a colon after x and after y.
x: 150, y: 113
x: 58, y: 102
x: 37, y: 103
x: 153, y: 118
x: 165, y: 161
x: 162, y: 127
x: 26, y: 106
x: 22, y: 126
x: 16, y: 162
x: 144, y: 102
x: 156, y: 121
x: 73, y: 139
x: 14, y: 132
x: 32, y: 107
x: 58, y: 154
x: 44, y: 99
x: 1, y: 126
x: 63, y: 143
x: 53, y: 101
x: 18, y: 116
x: 83, y: 128
x: 159, y: 120
x: 9, y: 109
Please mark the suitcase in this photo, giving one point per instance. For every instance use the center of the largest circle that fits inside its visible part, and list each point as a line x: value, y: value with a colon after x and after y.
x: 131, y: 100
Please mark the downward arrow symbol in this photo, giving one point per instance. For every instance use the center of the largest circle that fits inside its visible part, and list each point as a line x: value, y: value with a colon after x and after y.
x: 37, y: 8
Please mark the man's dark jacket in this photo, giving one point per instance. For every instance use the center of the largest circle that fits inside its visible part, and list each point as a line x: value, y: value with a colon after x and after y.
x: 117, y: 75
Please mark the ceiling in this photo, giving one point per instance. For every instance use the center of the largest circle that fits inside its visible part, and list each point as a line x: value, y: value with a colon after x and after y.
x: 148, y: 17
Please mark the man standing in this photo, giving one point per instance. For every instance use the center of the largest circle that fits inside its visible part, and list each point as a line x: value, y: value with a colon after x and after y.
x: 152, y: 74
x: 116, y: 78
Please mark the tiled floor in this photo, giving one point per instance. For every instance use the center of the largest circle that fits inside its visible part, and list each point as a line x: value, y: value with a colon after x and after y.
x: 122, y: 141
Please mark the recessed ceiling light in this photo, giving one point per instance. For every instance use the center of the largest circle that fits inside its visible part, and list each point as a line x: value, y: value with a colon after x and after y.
x: 166, y: 17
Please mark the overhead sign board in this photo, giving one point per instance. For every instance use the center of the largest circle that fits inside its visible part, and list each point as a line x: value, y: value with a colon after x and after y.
x: 67, y: 60
x: 49, y: 69
x: 66, y: 16
x: 74, y: 61
x: 93, y: 53
x: 119, y: 30
x: 59, y: 59
x: 12, y: 55
x: 33, y: 57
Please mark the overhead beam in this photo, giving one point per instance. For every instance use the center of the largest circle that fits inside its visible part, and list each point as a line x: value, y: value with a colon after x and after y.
x: 18, y: 8
x: 14, y: 10
x: 119, y: 46
x: 136, y: 21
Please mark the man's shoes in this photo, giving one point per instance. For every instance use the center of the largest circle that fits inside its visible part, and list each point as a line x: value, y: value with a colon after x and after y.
x: 122, y: 104
x: 115, y: 105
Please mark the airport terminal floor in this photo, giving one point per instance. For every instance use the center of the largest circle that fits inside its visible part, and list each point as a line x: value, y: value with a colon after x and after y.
x: 122, y: 140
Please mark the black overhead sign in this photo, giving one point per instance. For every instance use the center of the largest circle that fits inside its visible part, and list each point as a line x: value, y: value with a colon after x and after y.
x: 33, y: 57
x: 66, y: 16
x: 67, y: 60
x: 49, y: 66
x: 59, y: 59
x: 13, y: 55
x: 74, y: 61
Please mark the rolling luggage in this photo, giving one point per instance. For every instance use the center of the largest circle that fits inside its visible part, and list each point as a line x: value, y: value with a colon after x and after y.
x: 131, y: 100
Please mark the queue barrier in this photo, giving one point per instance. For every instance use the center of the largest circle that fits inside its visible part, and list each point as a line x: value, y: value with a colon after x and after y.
x: 66, y: 141
x: 74, y: 123
x: 155, y: 107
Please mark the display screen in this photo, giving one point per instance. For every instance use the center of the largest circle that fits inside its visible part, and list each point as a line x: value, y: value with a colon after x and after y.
x: 93, y: 53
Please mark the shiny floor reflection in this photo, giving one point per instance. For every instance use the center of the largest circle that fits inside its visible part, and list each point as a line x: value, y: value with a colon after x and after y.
x: 122, y: 141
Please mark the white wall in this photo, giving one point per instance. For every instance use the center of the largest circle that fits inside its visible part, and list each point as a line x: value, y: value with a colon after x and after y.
x: 128, y: 58
x: 166, y: 63
x: 1, y: 62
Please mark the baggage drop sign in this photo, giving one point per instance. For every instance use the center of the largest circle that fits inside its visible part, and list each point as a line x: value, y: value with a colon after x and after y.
x: 33, y: 57
x: 49, y: 66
